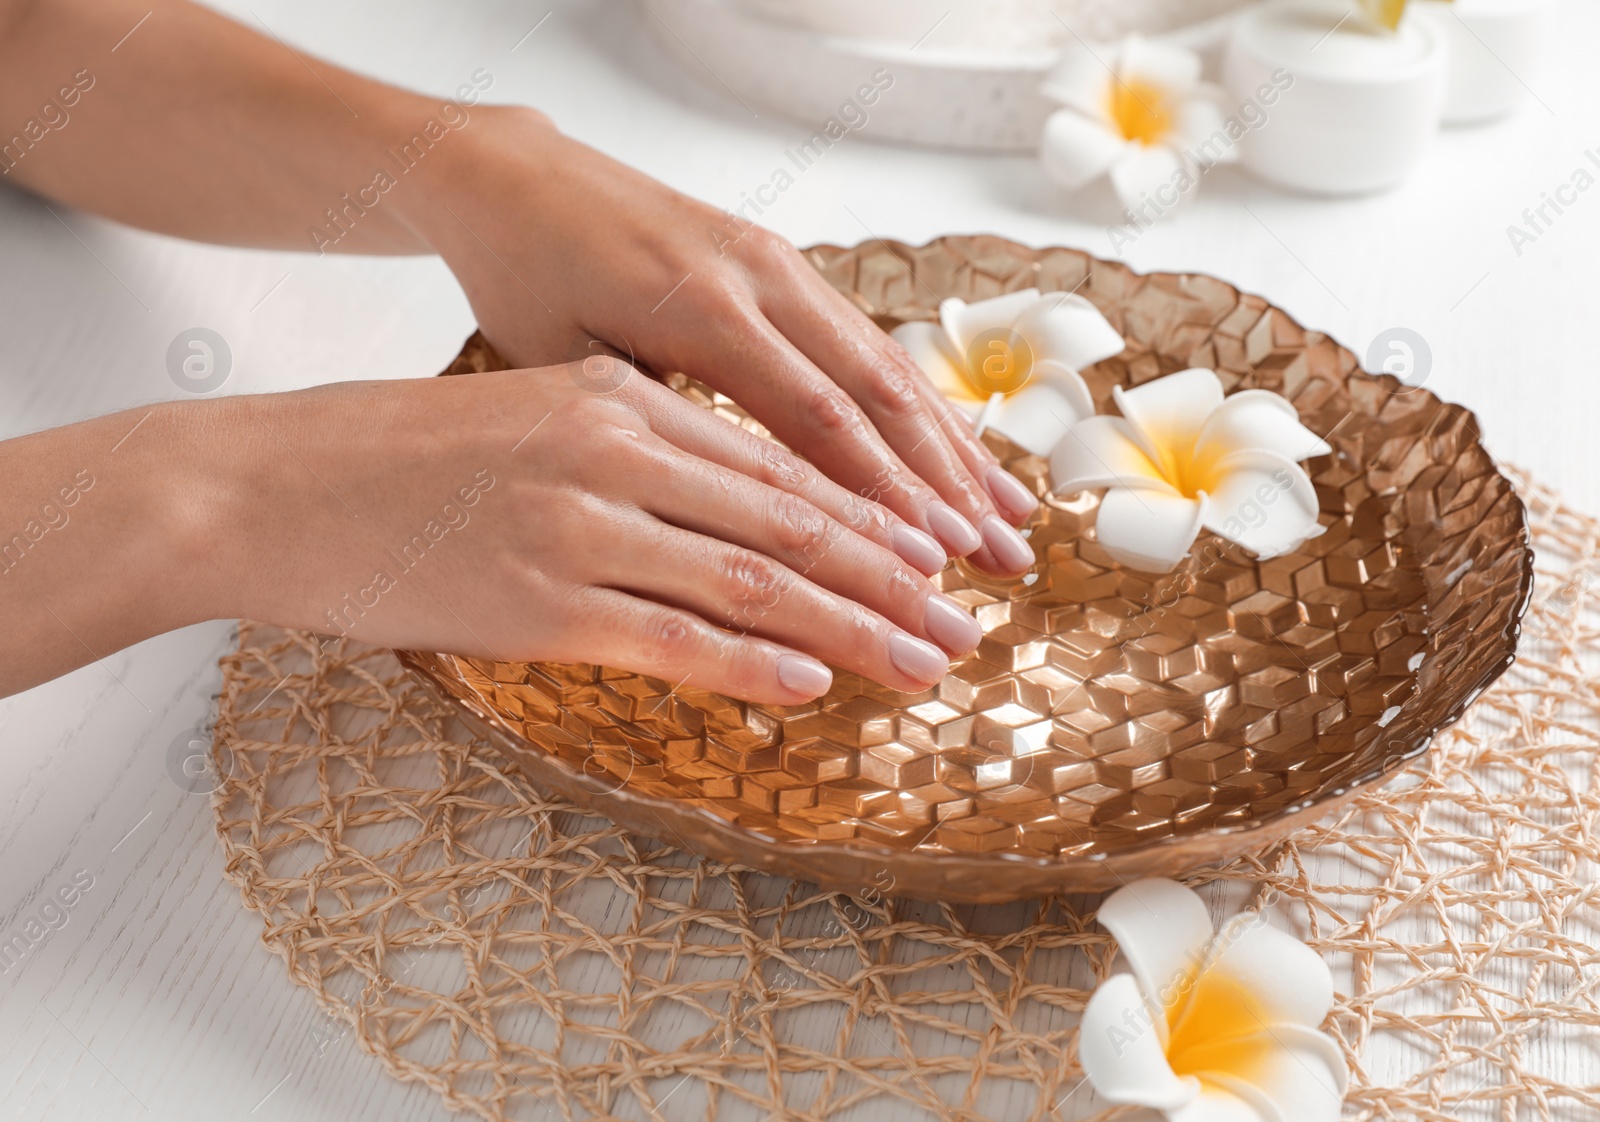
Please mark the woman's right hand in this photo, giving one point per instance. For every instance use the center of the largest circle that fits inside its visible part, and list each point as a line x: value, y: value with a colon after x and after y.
x: 580, y: 513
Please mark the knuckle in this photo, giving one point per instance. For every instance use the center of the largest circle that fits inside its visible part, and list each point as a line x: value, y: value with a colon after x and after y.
x: 763, y: 245
x: 801, y: 530
x: 754, y: 583
x: 864, y: 636
x: 867, y: 517
x: 600, y: 373
x: 905, y: 587
x: 971, y: 496
x: 833, y: 412
x: 622, y: 439
x: 778, y: 467
x: 580, y: 506
x: 885, y: 483
x: 893, y: 393
x: 723, y: 300
x: 667, y: 638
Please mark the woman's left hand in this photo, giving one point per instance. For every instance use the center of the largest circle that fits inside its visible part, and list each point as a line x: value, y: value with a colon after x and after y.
x: 564, y: 253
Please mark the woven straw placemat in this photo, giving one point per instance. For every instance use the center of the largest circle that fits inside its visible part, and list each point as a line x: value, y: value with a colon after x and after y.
x: 525, y: 960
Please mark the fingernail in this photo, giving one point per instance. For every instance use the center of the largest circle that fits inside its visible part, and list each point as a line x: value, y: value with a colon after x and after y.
x: 953, y: 530
x: 916, y: 659
x: 1010, y: 548
x: 1011, y: 493
x: 804, y: 676
x: 951, y: 627
x: 918, y: 549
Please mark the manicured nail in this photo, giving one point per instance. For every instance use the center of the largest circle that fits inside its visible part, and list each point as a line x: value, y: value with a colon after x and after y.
x: 916, y: 659
x: 952, y: 628
x: 918, y: 549
x: 953, y: 530
x: 1011, y: 493
x: 1010, y: 548
x: 804, y: 676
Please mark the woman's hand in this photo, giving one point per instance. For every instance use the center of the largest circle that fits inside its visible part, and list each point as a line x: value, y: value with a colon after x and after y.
x: 625, y: 529
x: 525, y: 516
x: 565, y: 252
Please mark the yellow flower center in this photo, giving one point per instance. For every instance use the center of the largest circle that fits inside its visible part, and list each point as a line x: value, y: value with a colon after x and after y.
x: 998, y: 361
x: 1178, y: 465
x: 1214, y: 1009
x: 1139, y: 110
x: 1385, y: 13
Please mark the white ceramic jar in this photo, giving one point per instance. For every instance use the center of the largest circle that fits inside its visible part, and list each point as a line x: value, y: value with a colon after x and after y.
x: 1362, y: 104
x: 1494, y: 50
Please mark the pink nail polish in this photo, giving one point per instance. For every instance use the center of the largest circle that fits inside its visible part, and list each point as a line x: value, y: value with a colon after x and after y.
x: 918, y: 549
x: 916, y: 659
x: 804, y: 676
x: 953, y: 530
x: 951, y: 626
x: 1011, y: 493
x: 1010, y: 548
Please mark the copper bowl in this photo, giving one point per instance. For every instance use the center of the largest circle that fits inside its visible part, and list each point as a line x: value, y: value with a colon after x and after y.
x: 1111, y: 725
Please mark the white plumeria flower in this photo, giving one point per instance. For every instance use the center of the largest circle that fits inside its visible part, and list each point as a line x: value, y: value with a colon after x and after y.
x: 1133, y: 112
x: 1012, y: 361
x: 1182, y: 457
x: 1210, y: 1027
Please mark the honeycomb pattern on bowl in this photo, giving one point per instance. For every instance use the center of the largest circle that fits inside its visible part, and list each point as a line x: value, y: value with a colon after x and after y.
x: 1111, y: 724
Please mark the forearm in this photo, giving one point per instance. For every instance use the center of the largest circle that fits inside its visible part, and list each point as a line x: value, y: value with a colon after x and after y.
x: 103, y: 532
x: 202, y: 128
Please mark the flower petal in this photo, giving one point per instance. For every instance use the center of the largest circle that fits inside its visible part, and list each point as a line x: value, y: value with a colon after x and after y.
x: 1141, y: 171
x: 1168, y: 413
x: 1103, y: 452
x: 964, y: 322
x: 1081, y: 80
x: 1076, y: 149
x: 1201, y: 131
x: 1164, y: 931
x: 1284, y: 1072
x: 1264, y: 502
x: 1066, y: 328
x: 1214, y: 1104
x: 1121, y: 1052
x: 1171, y: 69
x: 1287, y: 982
x: 1257, y: 421
x: 1147, y: 530
x: 1039, y: 414
x: 930, y: 349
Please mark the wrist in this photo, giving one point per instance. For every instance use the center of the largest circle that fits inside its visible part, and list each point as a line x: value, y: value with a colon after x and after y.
x: 199, y: 473
x: 463, y: 168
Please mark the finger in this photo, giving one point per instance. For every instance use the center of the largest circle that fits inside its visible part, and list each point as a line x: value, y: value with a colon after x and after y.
x: 890, y: 390
x: 630, y: 633
x: 708, y: 436
x: 751, y: 593
x: 719, y: 503
x: 1011, y: 496
x: 813, y: 416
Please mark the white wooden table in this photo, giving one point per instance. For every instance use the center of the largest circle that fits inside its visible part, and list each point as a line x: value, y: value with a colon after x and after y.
x: 153, y: 997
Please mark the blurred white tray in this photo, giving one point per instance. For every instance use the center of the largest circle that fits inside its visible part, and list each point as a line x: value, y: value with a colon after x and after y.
x: 939, y: 96
x: 943, y: 96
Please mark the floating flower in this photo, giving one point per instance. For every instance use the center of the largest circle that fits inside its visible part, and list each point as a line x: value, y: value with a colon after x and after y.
x: 1182, y: 457
x: 1012, y: 361
x: 1210, y: 1027
x: 1381, y: 13
x: 1133, y: 112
